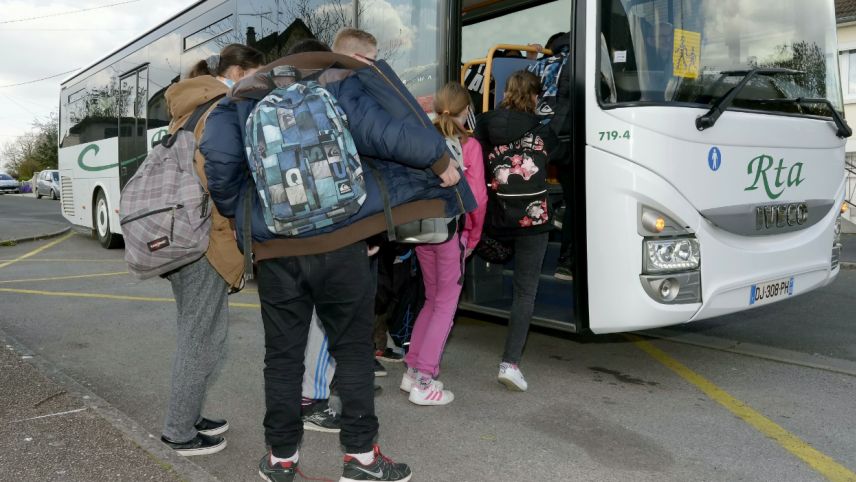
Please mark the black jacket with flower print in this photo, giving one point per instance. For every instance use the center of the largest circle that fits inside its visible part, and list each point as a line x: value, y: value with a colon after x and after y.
x: 517, y: 148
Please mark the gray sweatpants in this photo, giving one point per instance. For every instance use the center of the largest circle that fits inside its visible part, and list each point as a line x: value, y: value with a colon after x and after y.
x: 201, y: 297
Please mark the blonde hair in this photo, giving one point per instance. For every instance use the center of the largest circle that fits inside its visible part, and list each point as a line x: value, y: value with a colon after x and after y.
x: 449, y: 102
x: 350, y: 41
x: 521, y: 86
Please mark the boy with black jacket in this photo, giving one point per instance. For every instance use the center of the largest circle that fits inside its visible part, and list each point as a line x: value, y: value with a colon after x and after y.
x: 329, y: 270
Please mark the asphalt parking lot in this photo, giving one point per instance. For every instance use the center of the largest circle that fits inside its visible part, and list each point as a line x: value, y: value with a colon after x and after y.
x: 764, y: 395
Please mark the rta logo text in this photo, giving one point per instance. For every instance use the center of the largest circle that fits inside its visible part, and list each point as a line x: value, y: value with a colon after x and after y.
x: 772, y: 178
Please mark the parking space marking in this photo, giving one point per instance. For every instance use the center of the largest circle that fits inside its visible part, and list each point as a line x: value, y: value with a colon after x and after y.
x: 817, y: 460
x: 37, y: 250
x: 59, y: 278
x: 71, y: 294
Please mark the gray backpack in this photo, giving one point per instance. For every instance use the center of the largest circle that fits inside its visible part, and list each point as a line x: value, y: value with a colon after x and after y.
x: 165, y: 211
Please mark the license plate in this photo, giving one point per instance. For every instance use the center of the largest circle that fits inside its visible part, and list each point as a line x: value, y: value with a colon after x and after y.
x: 770, y: 291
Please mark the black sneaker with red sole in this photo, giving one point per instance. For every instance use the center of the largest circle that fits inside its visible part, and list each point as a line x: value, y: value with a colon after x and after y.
x: 280, y: 472
x: 381, y: 469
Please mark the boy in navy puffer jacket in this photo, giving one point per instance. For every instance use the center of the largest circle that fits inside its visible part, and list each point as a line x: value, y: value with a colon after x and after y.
x: 331, y: 270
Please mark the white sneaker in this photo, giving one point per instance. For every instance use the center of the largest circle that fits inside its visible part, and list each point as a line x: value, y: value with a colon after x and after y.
x: 408, y: 380
x: 511, y: 376
x: 430, y: 396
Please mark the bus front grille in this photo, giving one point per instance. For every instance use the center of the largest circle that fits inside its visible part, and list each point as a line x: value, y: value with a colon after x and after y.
x: 67, y: 196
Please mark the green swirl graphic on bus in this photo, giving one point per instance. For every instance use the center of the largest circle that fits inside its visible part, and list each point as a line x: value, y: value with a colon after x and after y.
x: 94, y: 149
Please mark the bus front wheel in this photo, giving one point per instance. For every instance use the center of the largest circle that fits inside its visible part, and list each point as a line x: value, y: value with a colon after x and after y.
x: 101, y: 222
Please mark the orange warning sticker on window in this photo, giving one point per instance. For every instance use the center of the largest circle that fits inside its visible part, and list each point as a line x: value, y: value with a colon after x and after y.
x: 687, y: 54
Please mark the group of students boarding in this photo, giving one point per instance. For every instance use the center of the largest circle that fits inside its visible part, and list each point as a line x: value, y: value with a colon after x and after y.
x: 317, y: 287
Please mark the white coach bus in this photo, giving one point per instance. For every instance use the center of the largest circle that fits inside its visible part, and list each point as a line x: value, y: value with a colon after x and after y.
x: 707, y: 136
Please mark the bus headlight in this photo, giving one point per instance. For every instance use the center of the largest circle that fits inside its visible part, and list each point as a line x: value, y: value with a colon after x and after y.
x: 671, y: 255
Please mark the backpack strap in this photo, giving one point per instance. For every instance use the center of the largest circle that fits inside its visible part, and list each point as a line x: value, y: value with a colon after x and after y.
x: 387, y: 209
x: 191, y: 122
x: 247, y: 235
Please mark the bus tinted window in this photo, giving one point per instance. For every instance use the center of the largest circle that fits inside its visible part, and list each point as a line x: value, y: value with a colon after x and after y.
x: 532, y: 25
x: 203, y: 35
x: 258, y: 26
x: 164, y: 69
x: 93, y: 114
x: 410, y: 38
x: 320, y: 19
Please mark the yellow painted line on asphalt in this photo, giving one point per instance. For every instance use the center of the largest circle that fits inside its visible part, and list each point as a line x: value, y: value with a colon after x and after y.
x: 37, y: 250
x: 59, y: 278
x: 102, y: 296
x: 817, y: 460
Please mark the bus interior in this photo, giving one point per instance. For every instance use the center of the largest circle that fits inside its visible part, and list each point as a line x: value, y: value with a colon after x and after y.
x: 494, y: 40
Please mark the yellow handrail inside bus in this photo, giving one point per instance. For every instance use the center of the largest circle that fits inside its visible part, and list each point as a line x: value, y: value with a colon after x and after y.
x: 488, y: 70
x: 467, y: 67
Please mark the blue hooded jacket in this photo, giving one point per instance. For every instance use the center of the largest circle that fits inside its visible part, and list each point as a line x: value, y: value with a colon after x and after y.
x: 394, y: 138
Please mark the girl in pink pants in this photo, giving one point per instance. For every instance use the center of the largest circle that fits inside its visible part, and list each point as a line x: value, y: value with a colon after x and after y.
x: 443, y: 264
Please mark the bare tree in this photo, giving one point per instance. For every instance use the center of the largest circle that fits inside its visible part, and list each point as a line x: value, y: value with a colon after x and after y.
x: 33, y: 151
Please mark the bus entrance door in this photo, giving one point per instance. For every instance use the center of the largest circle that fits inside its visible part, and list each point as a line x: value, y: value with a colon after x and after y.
x: 132, y: 123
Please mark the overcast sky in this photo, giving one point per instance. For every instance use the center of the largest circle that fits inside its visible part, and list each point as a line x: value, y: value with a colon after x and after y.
x: 43, y: 47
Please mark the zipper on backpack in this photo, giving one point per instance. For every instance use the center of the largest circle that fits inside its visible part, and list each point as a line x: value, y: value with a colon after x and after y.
x: 205, y: 197
x: 522, y: 195
x: 147, y: 214
x: 172, y: 224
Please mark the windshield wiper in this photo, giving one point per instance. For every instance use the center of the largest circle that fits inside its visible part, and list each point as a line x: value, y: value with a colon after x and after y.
x: 844, y: 130
x: 724, y: 102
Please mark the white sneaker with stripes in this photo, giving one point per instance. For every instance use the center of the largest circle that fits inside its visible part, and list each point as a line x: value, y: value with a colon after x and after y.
x: 408, y: 380
x: 430, y: 395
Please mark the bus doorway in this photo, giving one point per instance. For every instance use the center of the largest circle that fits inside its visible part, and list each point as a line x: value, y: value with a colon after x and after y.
x: 496, y: 39
x: 132, y: 123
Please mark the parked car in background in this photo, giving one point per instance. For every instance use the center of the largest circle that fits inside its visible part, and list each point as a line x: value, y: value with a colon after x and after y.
x: 48, y: 184
x: 9, y: 184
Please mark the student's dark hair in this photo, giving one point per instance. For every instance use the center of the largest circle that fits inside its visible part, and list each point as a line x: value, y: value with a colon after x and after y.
x: 308, y: 45
x: 553, y: 38
x: 519, y: 90
x: 239, y: 55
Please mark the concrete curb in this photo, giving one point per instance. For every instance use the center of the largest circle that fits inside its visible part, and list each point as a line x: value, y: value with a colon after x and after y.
x: 4, y: 242
x: 133, y: 431
x: 780, y: 355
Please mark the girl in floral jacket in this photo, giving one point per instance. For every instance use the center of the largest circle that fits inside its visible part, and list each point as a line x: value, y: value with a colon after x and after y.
x: 517, y: 149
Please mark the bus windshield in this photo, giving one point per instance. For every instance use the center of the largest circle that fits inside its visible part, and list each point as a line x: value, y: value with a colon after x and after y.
x: 695, y: 51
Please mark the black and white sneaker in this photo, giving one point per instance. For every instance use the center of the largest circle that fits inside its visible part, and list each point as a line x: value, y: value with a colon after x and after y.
x: 382, y: 468
x: 281, y: 472
x: 209, y: 427
x: 379, y: 370
x: 565, y: 269
x: 200, y: 445
x: 321, y: 418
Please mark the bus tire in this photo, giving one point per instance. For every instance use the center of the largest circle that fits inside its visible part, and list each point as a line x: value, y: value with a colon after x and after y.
x: 101, y: 223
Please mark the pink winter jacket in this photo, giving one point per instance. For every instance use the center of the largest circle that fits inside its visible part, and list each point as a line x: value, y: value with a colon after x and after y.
x: 474, y: 174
